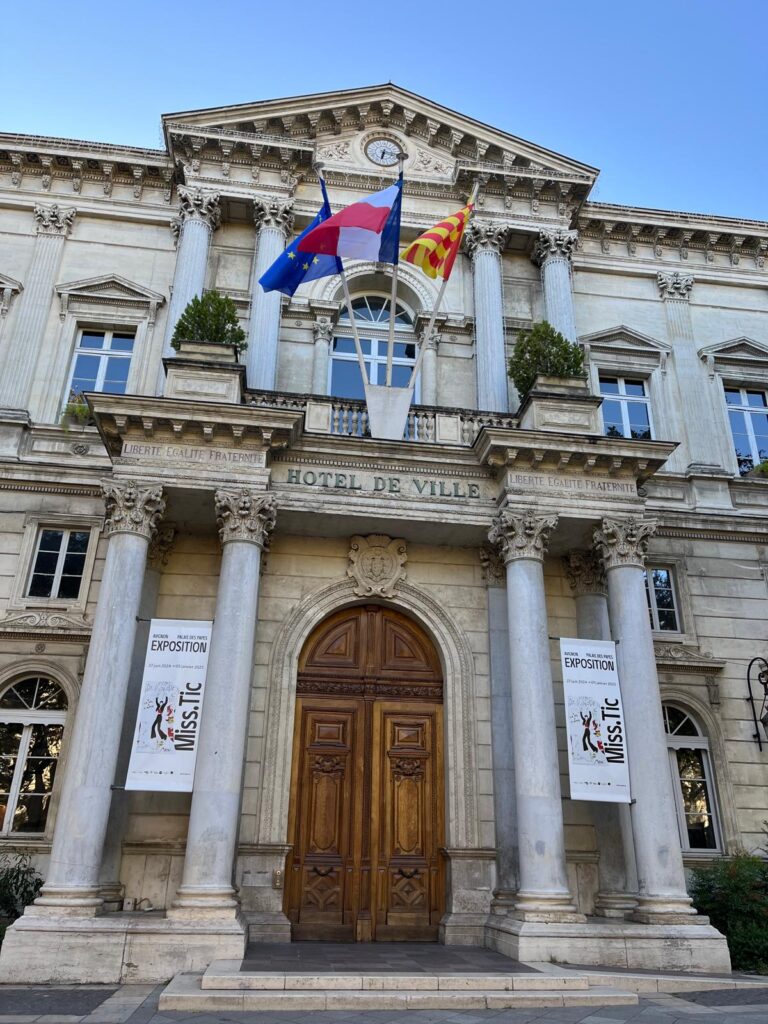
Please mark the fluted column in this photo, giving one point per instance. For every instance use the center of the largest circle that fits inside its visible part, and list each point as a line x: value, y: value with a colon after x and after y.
x: 322, y: 329
x: 429, y: 367
x: 274, y: 223
x: 617, y: 875
x: 622, y: 544
x: 22, y: 348
x: 133, y: 512
x: 543, y: 893
x: 485, y: 242
x: 245, y: 520
x: 199, y: 216
x: 553, y: 251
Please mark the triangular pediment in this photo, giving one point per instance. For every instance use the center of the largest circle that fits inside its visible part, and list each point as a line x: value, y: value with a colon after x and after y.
x: 10, y: 282
x: 110, y: 287
x: 741, y: 349
x: 626, y: 340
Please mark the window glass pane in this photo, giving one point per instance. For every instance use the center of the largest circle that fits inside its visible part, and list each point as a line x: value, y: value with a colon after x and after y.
x: 634, y: 388
x: 760, y: 427
x: 741, y: 443
x: 116, y: 376
x: 50, y: 540
x: 31, y: 813
x: 612, y: 421
x: 668, y: 620
x: 756, y: 399
x: 10, y: 737
x: 50, y: 696
x: 69, y: 588
x: 78, y: 540
x: 732, y: 396
x: 701, y: 832
x: 639, y: 424
x: 20, y: 695
x: 609, y: 386
x: 674, y: 718
x: 85, y: 373
x: 345, y: 379
x: 691, y: 765
x: 91, y: 339
x: 122, y: 343
x: 400, y: 375
x: 403, y: 350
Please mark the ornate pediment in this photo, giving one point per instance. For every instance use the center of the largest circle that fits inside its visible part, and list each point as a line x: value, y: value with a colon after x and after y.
x: 625, y: 339
x: 736, y: 350
x: 108, y: 290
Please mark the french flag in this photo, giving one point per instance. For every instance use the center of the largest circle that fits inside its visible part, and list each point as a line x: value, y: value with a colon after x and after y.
x: 368, y: 230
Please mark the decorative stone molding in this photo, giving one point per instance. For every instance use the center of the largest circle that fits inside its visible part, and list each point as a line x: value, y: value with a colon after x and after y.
x: 493, y: 567
x: 376, y: 565
x: 521, y: 536
x: 585, y: 573
x: 623, y: 542
x: 160, y: 546
x: 675, y: 285
x: 270, y: 213
x: 557, y: 244
x: 485, y: 236
x: 430, y: 343
x: 52, y: 622
x: 245, y: 515
x: 54, y: 220
x: 132, y: 508
x: 200, y: 205
x: 322, y: 329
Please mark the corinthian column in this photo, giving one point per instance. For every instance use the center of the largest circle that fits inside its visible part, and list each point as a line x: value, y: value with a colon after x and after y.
x: 274, y: 223
x: 133, y: 512
x: 429, y: 367
x: 553, y: 251
x: 322, y: 329
x: 485, y: 242
x: 543, y: 893
x: 23, y: 347
x: 245, y: 521
x: 617, y: 875
x: 199, y: 216
x: 661, y: 882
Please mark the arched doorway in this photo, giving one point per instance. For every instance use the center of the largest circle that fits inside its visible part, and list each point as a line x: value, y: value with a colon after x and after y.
x: 366, y: 817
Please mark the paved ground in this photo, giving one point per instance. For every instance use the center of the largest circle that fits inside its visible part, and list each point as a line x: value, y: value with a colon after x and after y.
x: 377, y: 958
x: 137, y: 1004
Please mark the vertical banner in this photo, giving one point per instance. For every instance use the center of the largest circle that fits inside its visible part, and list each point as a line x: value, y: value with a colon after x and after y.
x: 597, y: 748
x: 168, y: 721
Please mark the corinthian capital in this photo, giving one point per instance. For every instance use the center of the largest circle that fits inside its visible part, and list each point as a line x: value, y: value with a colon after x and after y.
x: 521, y: 536
x: 54, y: 220
x: 271, y: 213
x: 485, y: 236
x: 675, y: 285
x: 132, y: 508
x: 201, y: 205
x: 624, y: 541
x: 585, y: 572
x: 322, y: 329
x: 245, y: 515
x: 557, y: 244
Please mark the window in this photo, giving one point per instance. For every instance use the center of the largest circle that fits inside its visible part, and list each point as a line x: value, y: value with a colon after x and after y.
x: 748, y: 416
x: 102, y: 361
x: 662, y: 602
x: 32, y: 716
x: 625, y: 409
x: 692, y: 777
x: 59, y: 563
x: 371, y: 314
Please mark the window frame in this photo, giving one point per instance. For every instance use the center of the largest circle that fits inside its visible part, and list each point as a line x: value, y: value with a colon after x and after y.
x: 66, y: 532
x: 652, y: 605
x: 34, y: 524
x: 699, y: 742
x: 103, y: 354
x: 623, y: 399
x: 747, y: 412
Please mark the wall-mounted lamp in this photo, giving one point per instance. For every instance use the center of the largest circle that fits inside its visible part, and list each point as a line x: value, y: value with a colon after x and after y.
x: 759, y: 717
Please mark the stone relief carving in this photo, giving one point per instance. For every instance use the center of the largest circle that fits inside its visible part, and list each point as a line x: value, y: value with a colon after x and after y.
x: 246, y: 515
x: 624, y: 541
x: 558, y: 244
x: 322, y: 329
x: 270, y: 213
x: 201, y: 205
x: 585, y: 573
x: 336, y: 151
x: 160, y: 546
x: 376, y: 564
x: 46, y: 620
x: 485, y: 236
x: 132, y: 508
x: 674, y: 285
x: 425, y: 163
x: 493, y: 567
x: 54, y: 220
x: 521, y: 536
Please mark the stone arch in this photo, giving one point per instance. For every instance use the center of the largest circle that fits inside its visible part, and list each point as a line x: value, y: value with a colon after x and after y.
x: 411, y: 285
x: 462, y: 830
x: 43, y: 667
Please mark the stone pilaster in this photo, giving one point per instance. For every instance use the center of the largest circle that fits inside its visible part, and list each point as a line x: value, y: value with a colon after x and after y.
x: 484, y: 241
x: 133, y: 513
x: 431, y: 345
x: 274, y: 224
x: 662, y: 896
x: 543, y: 893
x: 22, y: 348
x: 246, y: 520
x: 322, y: 329
x: 553, y: 252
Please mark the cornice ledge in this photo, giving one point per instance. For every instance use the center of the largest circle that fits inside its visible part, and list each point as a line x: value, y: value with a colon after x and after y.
x: 686, y: 659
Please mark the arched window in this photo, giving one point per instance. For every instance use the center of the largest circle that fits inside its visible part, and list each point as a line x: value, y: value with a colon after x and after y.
x: 692, y: 776
x: 32, y: 716
x: 371, y: 314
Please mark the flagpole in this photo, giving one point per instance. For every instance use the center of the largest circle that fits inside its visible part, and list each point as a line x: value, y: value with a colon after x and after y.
x: 438, y: 300
x: 318, y: 169
x: 401, y: 158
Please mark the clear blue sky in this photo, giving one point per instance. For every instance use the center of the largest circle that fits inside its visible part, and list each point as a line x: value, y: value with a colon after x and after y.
x: 667, y: 98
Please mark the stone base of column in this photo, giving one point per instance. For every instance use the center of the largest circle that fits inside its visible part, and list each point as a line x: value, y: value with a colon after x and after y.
x: 79, y: 902
x: 666, y: 910
x: 545, y: 908
x: 614, y: 904
x: 503, y: 901
x: 112, y: 896
x: 195, y: 902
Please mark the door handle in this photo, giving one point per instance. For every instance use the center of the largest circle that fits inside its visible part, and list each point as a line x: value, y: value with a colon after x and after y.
x: 323, y: 874
x: 408, y: 874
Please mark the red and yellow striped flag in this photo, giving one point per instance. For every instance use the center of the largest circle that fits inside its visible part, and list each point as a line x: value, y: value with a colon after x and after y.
x: 435, y: 251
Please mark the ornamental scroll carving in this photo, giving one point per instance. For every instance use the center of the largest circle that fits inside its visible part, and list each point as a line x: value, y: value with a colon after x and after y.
x: 624, y: 541
x: 160, y: 546
x: 557, y: 244
x: 328, y: 764
x: 521, y: 536
x: 132, y: 508
x: 675, y: 285
x: 485, y: 236
x: 201, y: 205
x: 269, y: 213
x: 408, y: 767
x: 245, y: 515
x: 322, y: 329
x: 376, y: 564
x: 585, y: 573
x: 493, y: 567
x: 54, y: 220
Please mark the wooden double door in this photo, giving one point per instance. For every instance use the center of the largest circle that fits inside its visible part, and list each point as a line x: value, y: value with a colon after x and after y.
x: 366, y: 818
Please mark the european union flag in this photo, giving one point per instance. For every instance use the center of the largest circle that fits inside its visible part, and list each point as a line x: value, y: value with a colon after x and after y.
x: 292, y: 268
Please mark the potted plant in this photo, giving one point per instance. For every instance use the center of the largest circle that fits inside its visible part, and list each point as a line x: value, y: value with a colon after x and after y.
x: 209, y: 319
x: 76, y: 410
x: 541, y: 350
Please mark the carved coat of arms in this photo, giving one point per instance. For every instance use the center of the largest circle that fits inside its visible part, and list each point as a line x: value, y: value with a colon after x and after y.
x: 376, y: 564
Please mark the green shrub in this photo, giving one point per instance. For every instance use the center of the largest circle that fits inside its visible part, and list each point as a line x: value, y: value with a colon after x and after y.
x: 20, y: 884
x: 734, y: 895
x: 211, y: 317
x: 542, y: 349
x: 761, y: 469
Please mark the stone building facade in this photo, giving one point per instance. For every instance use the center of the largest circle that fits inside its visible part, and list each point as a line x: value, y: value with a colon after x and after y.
x: 383, y: 743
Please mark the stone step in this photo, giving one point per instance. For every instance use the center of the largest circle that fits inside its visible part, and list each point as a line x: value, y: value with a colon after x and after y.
x: 185, y: 993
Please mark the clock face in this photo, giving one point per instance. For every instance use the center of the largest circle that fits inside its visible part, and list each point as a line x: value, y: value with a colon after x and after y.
x: 382, y: 152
